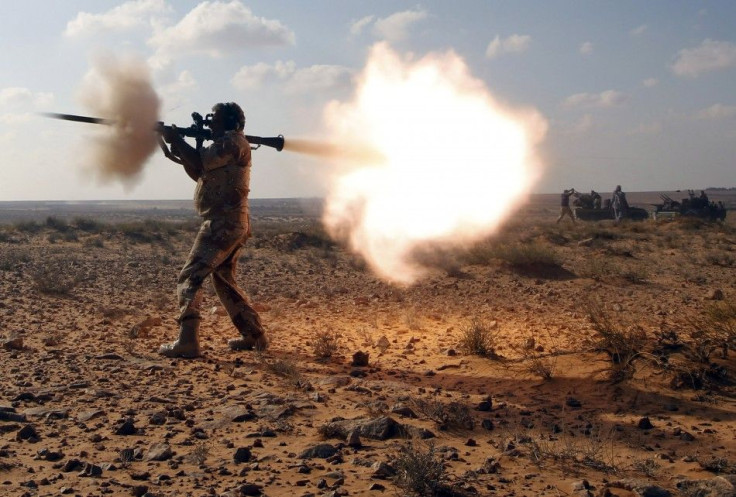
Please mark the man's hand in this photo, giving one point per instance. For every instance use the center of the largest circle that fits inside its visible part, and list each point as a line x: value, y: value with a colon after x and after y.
x: 169, y: 133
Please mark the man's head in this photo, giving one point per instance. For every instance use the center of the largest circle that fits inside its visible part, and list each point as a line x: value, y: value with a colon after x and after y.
x: 226, y: 117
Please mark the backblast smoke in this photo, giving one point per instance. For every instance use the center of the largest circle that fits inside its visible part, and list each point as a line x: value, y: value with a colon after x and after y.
x: 454, y: 162
x: 120, y: 90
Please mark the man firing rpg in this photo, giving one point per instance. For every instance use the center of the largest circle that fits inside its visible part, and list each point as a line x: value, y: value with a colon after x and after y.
x: 222, y: 173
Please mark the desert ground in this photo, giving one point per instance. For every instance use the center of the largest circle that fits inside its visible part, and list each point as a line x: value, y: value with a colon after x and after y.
x: 548, y: 360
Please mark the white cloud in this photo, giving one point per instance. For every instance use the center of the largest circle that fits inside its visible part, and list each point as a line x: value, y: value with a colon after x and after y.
x: 512, y: 44
x: 586, y: 48
x: 216, y: 28
x: 318, y: 77
x: 647, y: 129
x: 717, y: 111
x: 604, y: 99
x: 711, y: 55
x: 650, y: 82
x: 128, y: 15
x: 303, y: 80
x: 396, y: 26
x: 639, y: 30
x: 358, y: 26
x: 257, y: 75
x: 23, y: 99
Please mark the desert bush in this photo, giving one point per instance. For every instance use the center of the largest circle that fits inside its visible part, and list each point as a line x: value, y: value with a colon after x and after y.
x: 325, y: 345
x: 420, y: 471
x: 713, y: 329
x: 199, y: 455
x: 56, y: 279
x: 537, y: 363
x: 447, y: 416
x: 57, y: 224
x: 479, y: 338
x: 88, y: 225
x: 720, y: 258
x: 11, y: 259
x: 527, y: 255
x: 623, y: 344
x: 28, y: 226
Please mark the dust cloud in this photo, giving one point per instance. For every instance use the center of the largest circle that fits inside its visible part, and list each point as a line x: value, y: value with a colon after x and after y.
x: 455, y: 162
x: 119, y: 89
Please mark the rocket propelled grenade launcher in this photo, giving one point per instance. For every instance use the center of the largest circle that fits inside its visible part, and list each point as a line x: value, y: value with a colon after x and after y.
x: 199, y: 130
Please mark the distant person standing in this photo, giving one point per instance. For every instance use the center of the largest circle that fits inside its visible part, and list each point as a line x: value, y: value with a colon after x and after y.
x: 565, y: 205
x: 596, y: 198
x: 620, y: 204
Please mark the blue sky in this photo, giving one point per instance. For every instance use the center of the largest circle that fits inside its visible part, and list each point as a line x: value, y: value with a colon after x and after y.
x: 635, y: 93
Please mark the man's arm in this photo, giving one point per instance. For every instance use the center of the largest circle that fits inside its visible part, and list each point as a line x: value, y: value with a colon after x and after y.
x: 189, y: 156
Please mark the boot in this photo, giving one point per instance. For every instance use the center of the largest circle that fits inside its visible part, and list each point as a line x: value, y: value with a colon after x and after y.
x: 250, y: 342
x: 187, y: 345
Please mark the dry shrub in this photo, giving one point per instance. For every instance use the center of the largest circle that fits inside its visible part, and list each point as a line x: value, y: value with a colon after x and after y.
x: 57, y: 280
x: 623, y: 344
x: 479, y: 338
x: 12, y: 259
x: 199, y: 455
x: 527, y: 255
x: 447, y: 416
x: 420, y: 471
x: 325, y: 345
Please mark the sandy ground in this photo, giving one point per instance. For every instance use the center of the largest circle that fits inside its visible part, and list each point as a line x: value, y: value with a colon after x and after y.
x: 87, y: 407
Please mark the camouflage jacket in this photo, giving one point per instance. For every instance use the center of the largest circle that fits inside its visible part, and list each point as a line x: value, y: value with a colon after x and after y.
x: 223, y: 187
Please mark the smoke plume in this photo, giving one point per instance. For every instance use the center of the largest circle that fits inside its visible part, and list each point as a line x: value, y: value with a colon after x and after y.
x: 455, y: 162
x: 119, y: 89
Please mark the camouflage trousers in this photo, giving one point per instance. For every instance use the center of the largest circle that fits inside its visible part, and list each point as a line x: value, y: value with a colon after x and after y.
x: 215, y: 252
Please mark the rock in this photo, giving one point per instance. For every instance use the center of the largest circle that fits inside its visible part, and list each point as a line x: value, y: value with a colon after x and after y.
x: 15, y: 343
x: 29, y: 433
x: 360, y: 359
x: 353, y: 439
x: 251, y: 489
x: 377, y: 486
x: 404, y: 411
x: 72, y: 465
x: 487, y: 424
x: 9, y: 414
x: 640, y: 487
x: 242, y: 454
x: 382, y: 471
x: 159, y: 452
x: 91, y: 470
x: 125, y: 427
x: 712, y: 487
x: 484, y: 406
x: 573, y: 402
x: 645, y: 424
x: 321, y: 451
x: 715, y: 294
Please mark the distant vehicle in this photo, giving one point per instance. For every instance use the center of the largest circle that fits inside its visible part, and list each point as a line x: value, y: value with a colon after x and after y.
x: 694, y: 206
x: 586, y: 210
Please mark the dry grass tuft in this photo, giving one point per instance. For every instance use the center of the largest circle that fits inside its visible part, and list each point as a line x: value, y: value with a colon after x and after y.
x: 420, y: 471
x: 480, y: 338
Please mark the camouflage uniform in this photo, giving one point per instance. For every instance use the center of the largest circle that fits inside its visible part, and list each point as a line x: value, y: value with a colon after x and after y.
x: 221, y: 199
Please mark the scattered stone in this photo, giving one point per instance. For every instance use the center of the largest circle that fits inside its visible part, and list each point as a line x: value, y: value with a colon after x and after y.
x: 716, y: 294
x: 353, y: 439
x: 139, y: 490
x: 126, y: 427
x: 50, y: 455
x: 251, y: 489
x: 484, y: 406
x: 72, y: 465
x: 645, y: 424
x: 85, y: 416
x: 320, y: 451
x: 712, y: 487
x: 15, y: 343
x: 242, y: 454
x: 28, y: 433
x: 404, y: 411
x: 159, y: 452
x: 573, y: 402
x: 377, y: 486
x: 91, y: 470
x: 471, y: 443
x: 360, y: 359
x: 640, y: 487
x: 487, y: 424
x: 9, y: 414
x: 382, y: 471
